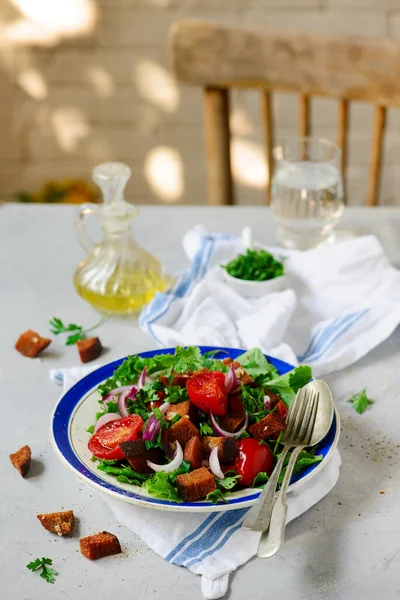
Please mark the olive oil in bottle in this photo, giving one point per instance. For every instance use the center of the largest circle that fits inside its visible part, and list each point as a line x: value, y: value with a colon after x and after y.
x: 118, y: 276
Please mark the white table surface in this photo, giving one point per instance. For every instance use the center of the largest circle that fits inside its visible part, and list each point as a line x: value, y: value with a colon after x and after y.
x: 347, y: 547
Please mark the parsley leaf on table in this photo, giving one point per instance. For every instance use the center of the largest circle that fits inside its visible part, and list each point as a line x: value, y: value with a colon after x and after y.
x: 360, y: 401
x: 47, y: 572
x: 77, y: 331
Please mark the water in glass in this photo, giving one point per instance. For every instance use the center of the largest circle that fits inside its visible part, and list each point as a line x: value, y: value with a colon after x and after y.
x: 307, y: 193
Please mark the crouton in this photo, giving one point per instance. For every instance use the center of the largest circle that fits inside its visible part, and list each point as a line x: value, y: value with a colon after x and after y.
x: 228, y: 361
x: 242, y: 374
x: 22, y: 460
x: 184, y: 409
x: 235, y: 417
x: 30, y: 343
x: 99, y: 545
x: 195, y: 485
x: 194, y: 452
x: 267, y: 427
x: 137, y: 455
x: 180, y: 379
x: 210, y: 442
x: 89, y: 349
x: 227, y: 449
x: 60, y: 523
x: 182, y: 431
x: 274, y: 398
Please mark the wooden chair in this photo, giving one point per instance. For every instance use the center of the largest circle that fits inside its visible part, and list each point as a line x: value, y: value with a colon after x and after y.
x: 219, y: 57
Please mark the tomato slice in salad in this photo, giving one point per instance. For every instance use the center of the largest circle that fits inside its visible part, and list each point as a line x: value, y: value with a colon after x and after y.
x: 253, y: 458
x: 104, y: 444
x: 207, y: 390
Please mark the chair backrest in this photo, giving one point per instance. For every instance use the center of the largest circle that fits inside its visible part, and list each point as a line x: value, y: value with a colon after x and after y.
x: 219, y: 57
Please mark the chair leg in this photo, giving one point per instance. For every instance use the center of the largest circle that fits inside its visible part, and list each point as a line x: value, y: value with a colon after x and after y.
x: 219, y: 172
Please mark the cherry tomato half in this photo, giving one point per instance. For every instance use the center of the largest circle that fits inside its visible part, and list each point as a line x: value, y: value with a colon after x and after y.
x: 281, y: 410
x: 104, y: 444
x: 207, y: 390
x: 253, y: 458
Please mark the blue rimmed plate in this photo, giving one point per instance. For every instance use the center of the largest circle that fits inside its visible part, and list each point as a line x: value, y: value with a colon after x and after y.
x: 75, y: 411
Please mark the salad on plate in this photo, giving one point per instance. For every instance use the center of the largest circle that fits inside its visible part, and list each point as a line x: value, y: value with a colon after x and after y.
x: 190, y: 426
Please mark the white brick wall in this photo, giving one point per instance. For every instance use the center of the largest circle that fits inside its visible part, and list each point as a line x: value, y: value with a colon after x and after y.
x: 109, y: 96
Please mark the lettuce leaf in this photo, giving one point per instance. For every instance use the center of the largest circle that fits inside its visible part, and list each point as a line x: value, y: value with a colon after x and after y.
x: 303, y: 460
x: 286, y: 386
x: 159, y: 486
x: 256, y: 364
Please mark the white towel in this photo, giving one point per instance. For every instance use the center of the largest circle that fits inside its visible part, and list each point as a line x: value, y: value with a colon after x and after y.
x: 213, y: 544
x: 341, y: 302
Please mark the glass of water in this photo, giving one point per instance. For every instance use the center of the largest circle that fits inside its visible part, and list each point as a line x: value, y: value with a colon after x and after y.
x: 307, y: 192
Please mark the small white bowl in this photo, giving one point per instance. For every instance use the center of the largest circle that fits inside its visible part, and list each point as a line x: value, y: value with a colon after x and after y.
x: 255, y: 289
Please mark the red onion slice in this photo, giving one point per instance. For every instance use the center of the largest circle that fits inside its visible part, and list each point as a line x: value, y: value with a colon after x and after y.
x: 105, y: 419
x: 215, y: 465
x: 142, y: 379
x: 267, y: 402
x: 153, y: 424
x: 222, y: 433
x: 110, y: 397
x: 122, y: 403
x: 173, y: 465
x: 231, y: 381
x: 132, y: 394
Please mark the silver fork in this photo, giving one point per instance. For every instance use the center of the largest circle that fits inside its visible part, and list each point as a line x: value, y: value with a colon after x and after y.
x: 272, y: 540
x: 259, y: 516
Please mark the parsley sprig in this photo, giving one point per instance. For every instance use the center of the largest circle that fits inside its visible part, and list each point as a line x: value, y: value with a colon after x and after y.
x: 77, y: 331
x: 47, y: 572
x: 360, y: 401
x: 255, y: 265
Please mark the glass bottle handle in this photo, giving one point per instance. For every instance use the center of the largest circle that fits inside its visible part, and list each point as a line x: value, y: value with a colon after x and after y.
x: 86, y: 210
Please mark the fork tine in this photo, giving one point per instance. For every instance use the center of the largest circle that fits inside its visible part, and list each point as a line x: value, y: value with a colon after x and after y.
x: 313, y: 418
x: 300, y: 416
x: 293, y: 411
x: 303, y: 425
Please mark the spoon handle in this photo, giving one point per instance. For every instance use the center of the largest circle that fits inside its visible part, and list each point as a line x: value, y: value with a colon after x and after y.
x: 272, y: 540
x: 247, y: 237
x: 259, y: 515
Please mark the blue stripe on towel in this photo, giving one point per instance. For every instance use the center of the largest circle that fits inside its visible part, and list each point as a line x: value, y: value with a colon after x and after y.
x: 316, y: 339
x: 222, y: 543
x: 325, y: 337
x: 343, y: 329
x: 161, y: 303
x: 208, y: 540
x: 192, y: 535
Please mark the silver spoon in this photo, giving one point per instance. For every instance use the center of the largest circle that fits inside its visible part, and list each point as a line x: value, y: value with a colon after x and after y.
x: 272, y: 539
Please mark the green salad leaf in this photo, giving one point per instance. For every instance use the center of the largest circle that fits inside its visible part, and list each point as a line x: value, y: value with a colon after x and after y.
x: 256, y: 364
x: 360, y: 401
x: 286, y: 386
x: 228, y: 482
x: 217, y: 496
x: 206, y: 429
x: 260, y: 480
x: 255, y: 265
x: 160, y: 486
x: 304, y: 459
x: 187, y: 359
x: 184, y: 468
x: 253, y: 400
x: 121, y: 471
x: 128, y: 372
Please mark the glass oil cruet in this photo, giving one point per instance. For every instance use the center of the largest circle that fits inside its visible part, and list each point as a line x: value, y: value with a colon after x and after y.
x: 118, y: 276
